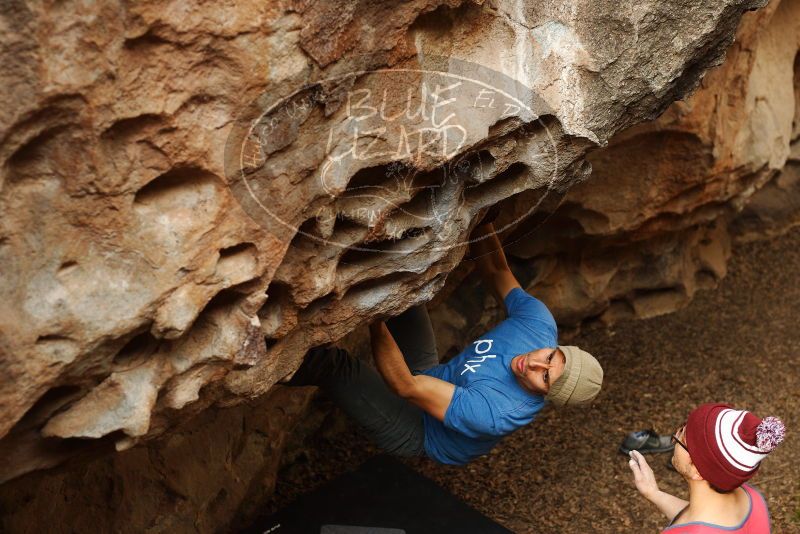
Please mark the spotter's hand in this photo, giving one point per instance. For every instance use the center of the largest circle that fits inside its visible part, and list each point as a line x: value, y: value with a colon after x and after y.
x: 643, y: 476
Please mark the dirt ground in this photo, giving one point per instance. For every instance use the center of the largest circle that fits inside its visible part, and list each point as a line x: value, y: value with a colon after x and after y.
x: 739, y: 343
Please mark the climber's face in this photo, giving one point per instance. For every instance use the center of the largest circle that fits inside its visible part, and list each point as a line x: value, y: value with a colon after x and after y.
x: 538, y: 369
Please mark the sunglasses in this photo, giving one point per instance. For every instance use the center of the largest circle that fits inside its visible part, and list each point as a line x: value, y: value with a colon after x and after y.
x: 676, y: 440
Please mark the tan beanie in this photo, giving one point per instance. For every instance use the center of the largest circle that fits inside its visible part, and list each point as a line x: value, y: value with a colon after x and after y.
x: 581, y: 380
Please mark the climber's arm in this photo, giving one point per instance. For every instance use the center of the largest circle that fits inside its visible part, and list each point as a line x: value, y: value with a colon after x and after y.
x: 429, y: 393
x: 491, y: 262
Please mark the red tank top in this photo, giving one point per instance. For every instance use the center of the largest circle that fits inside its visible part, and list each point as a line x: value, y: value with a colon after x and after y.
x: 756, y: 521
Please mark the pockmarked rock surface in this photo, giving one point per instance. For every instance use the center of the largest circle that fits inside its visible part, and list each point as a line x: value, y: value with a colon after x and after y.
x: 655, y: 222
x: 666, y: 198
x: 192, y: 197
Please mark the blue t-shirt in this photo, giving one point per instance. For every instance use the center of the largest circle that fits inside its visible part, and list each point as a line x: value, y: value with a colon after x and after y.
x: 488, y: 402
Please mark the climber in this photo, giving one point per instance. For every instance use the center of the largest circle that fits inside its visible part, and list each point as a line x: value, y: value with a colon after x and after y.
x: 457, y: 411
x: 719, y: 449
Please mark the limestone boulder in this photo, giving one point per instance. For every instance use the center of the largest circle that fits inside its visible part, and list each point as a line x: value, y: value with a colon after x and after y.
x: 187, y: 206
x: 194, y: 195
x: 666, y: 198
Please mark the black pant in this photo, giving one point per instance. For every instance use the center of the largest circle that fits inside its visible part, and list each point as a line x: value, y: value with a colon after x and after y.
x: 394, y: 424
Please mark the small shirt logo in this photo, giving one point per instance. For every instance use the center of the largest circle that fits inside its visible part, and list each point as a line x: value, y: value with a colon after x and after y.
x: 475, y: 362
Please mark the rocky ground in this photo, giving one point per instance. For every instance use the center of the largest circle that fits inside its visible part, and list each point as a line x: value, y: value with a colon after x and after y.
x: 739, y: 343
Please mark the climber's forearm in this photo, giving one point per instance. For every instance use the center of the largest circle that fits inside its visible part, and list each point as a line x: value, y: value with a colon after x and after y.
x: 487, y: 250
x: 491, y: 262
x: 429, y: 393
x: 389, y: 360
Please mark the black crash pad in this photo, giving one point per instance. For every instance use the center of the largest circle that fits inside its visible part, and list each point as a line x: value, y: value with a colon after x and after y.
x: 382, y: 496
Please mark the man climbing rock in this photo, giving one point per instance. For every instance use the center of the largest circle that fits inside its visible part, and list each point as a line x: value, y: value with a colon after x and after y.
x: 457, y: 411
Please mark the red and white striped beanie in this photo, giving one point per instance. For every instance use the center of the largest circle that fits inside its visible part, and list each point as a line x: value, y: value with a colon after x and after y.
x: 727, y: 445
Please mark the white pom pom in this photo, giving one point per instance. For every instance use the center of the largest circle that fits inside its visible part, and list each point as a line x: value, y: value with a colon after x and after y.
x: 770, y: 433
